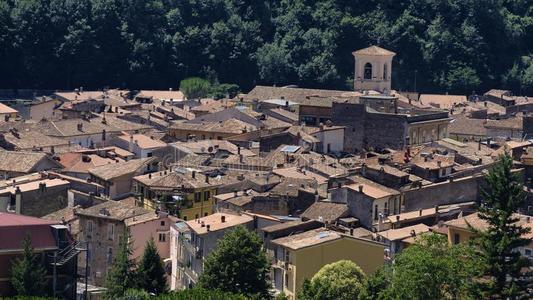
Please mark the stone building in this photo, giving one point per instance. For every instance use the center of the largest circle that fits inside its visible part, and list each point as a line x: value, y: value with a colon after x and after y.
x: 102, y: 225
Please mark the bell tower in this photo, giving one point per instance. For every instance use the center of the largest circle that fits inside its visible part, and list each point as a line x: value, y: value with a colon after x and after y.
x: 373, y: 67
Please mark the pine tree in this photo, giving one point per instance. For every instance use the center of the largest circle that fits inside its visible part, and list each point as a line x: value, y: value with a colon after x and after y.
x: 151, y: 273
x: 121, y: 276
x: 503, y: 235
x: 238, y: 265
x: 28, y: 276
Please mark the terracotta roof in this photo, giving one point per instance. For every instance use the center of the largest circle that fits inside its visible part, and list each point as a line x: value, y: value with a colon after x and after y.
x: 375, y: 191
x: 116, y: 210
x: 229, y: 126
x: 33, y: 185
x: 29, y: 139
x: 161, y: 94
x: 404, y: 232
x: 463, y: 125
x: 387, y: 170
x: 113, y: 170
x: 442, y: 101
x: 326, y: 211
x: 143, y: 141
x: 15, y: 227
x: 215, y: 222
x: 23, y: 162
x: 288, y: 93
x: 81, y: 163
x: 514, y: 123
x: 374, y: 50
x: 172, y: 180
x: 4, y: 109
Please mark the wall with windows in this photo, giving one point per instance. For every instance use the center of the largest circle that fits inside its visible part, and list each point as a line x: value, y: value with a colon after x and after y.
x: 158, y: 229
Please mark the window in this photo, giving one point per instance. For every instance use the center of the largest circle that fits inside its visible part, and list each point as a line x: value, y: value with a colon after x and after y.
x: 110, y: 232
x: 197, y: 196
x: 527, y: 252
x: 286, y: 280
x: 368, y: 71
x: 385, y: 72
x: 206, y: 195
x: 184, y: 218
x: 162, y: 237
x: 89, y: 252
x: 109, y: 255
x: 149, y: 154
x: 89, y: 228
x: 205, y: 214
x: 376, y: 212
x: 196, y: 216
x: 456, y: 238
x: 162, y: 223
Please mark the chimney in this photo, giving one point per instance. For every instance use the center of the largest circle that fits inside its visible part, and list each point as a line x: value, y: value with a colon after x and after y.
x: 420, y: 213
x: 103, y: 134
x: 351, y: 231
x: 360, y: 189
x: 223, y: 219
x: 208, y: 227
x: 397, y: 218
x: 485, y: 103
x: 439, y: 163
x: 479, y: 145
x: 193, y: 174
x: 235, y: 194
x: 203, y: 224
x: 238, y: 150
x: 206, y: 178
x: 436, y: 209
x: 130, y: 148
x: 116, y: 109
x: 80, y: 126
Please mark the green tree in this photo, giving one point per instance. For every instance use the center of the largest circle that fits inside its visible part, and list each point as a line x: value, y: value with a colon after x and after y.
x: 342, y: 280
x: 195, y: 87
x: 28, y: 276
x: 238, y: 265
x: 432, y: 269
x: 503, y: 235
x: 150, y: 272
x: 121, y: 276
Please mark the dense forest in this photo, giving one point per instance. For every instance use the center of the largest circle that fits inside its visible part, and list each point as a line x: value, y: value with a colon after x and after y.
x: 442, y: 45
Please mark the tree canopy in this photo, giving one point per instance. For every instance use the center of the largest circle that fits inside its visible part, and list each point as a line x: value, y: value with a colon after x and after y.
x: 503, y: 235
x: 429, y: 269
x: 150, y: 271
x: 342, y: 280
x: 441, y: 45
x: 238, y: 265
x: 121, y: 276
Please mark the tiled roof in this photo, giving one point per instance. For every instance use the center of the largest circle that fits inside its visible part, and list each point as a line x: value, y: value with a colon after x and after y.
x: 298, y: 95
x: 308, y: 238
x: 161, y: 94
x: 23, y: 162
x: 442, y: 101
x: 113, y: 170
x: 326, y: 211
x: 514, y: 123
x: 463, y: 125
x: 81, y: 163
x: 116, y: 210
x: 374, y: 50
x: 229, y: 126
x: 143, y: 141
x: 404, y: 232
x: 27, y: 139
x: 215, y: 222
x: 4, y: 109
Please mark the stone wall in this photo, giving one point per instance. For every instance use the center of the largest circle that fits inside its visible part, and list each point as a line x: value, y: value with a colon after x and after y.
x: 353, y: 117
x: 38, y: 203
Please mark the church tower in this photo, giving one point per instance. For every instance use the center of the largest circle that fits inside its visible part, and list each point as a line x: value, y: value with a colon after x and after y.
x: 373, y: 67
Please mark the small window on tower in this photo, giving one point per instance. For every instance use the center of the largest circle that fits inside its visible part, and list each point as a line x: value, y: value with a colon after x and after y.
x: 368, y: 71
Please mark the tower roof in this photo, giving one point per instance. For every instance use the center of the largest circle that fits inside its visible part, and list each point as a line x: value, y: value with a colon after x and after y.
x: 375, y: 51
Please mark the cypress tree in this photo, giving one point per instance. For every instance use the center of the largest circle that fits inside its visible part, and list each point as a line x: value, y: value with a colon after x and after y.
x: 151, y: 273
x: 28, y: 276
x: 121, y: 276
x: 504, y: 234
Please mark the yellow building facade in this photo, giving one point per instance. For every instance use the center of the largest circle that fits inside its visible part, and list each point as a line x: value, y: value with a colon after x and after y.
x: 301, y: 259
